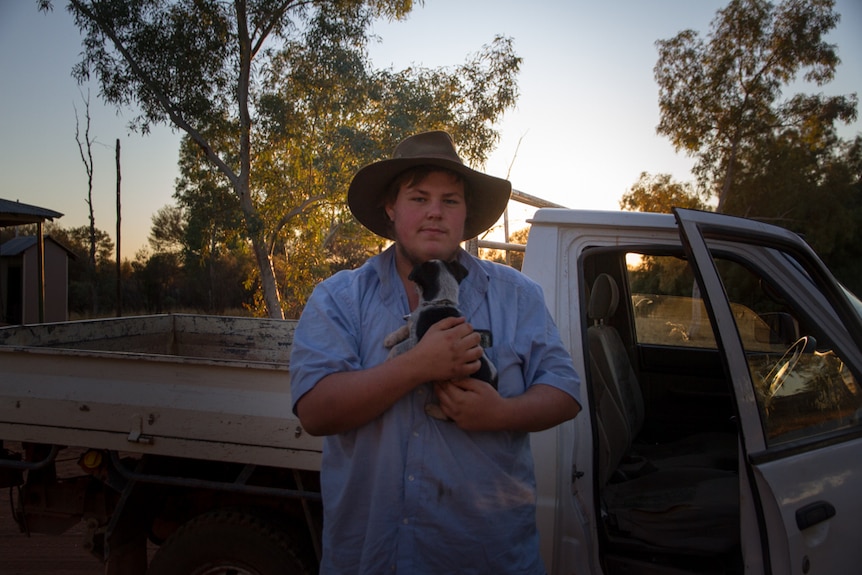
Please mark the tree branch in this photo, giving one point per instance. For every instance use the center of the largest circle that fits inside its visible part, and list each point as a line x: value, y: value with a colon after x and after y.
x: 288, y: 216
x: 172, y: 111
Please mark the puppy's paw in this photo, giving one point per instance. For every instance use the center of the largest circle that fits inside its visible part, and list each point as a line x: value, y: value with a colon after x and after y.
x: 396, y: 337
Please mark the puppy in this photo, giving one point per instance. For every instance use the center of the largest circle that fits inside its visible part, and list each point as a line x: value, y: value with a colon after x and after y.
x: 437, y: 283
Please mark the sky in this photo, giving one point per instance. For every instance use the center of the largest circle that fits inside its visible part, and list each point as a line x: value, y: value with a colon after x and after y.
x: 581, y: 134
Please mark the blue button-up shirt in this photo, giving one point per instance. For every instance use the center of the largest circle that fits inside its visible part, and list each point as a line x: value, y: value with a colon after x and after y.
x: 407, y: 493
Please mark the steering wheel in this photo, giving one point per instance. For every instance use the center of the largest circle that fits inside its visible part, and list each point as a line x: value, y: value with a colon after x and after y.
x: 784, y: 366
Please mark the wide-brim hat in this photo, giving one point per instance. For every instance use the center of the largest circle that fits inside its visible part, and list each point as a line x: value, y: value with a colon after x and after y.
x: 366, y: 195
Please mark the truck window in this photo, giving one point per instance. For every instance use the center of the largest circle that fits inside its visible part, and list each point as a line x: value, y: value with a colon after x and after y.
x: 667, y: 306
x: 803, y: 386
x: 668, y: 309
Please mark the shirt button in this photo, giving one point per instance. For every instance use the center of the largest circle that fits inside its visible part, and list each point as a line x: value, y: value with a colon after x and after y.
x: 410, y: 478
x: 415, y: 434
x: 405, y: 521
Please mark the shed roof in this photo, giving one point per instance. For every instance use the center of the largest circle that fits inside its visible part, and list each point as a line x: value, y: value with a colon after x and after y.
x: 19, y: 245
x: 17, y: 213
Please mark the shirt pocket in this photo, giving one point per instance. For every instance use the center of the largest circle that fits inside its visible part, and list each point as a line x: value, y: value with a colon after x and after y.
x: 510, y: 372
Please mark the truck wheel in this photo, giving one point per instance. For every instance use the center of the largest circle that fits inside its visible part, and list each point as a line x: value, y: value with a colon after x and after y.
x: 225, y: 542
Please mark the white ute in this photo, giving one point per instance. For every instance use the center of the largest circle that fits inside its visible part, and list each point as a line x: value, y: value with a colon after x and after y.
x: 721, y: 430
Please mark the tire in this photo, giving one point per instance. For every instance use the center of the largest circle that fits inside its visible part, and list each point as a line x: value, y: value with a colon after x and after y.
x: 228, y: 543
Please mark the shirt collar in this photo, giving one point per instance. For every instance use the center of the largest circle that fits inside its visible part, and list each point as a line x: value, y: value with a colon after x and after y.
x: 472, y: 291
x: 391, y: 289
x: 475, y: 285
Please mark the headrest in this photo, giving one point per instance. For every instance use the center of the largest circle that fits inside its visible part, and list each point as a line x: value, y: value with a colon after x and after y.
x: 604, y: 298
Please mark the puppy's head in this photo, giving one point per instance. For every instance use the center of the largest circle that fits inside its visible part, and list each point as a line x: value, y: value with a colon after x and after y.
x: 438, y: 280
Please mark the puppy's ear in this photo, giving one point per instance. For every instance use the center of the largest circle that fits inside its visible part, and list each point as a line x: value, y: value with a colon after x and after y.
x: 419, y: 274
x: 458, y: 271
x: 415, y: 273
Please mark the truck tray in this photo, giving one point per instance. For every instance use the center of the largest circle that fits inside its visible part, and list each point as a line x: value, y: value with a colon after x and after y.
x: 206, y: 387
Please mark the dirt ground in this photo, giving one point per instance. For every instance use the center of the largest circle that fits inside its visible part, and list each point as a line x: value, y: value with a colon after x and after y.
x: 42, y: 554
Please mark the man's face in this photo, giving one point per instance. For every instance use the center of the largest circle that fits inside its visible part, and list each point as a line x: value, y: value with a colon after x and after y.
x: 428, y: 217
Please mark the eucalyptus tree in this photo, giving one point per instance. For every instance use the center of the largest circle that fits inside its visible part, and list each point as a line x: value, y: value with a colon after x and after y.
x: 659, y: 193
x: 764, y: 155
x: 167, y: 234
x: 326, y: 112
x: 194, y: 64
x: 720, y: 99
x: 206, y: 67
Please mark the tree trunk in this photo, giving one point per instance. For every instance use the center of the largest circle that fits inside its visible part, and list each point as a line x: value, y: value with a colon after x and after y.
x: 255, y: 231
x: 267, y: 279
x: 728, y: 178
x: 252, y: 218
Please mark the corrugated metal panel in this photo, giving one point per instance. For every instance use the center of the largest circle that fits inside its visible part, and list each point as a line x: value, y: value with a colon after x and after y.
x: 19, y: 245
x: 17, y: 213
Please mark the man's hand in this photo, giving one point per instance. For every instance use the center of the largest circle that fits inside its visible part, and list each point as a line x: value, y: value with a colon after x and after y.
x: 476, y: 406
x: 345, y: 400
x: 472, y: 404
x: 449, y: 350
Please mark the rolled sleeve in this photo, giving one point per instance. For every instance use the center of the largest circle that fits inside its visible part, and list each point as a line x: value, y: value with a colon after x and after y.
x: 323, y: 341
x: 549, y: 362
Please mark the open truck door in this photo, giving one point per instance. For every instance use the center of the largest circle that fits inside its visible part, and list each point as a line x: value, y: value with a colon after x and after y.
x: 797, y: 393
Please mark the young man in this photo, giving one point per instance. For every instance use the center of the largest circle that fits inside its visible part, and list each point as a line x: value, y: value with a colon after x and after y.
x: 404, y: 492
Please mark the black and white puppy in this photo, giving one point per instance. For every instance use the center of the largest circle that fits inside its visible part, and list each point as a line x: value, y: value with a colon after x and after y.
x: 437, y: 283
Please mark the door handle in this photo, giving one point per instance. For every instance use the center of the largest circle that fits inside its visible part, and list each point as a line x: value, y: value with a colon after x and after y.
x: 814, y: 513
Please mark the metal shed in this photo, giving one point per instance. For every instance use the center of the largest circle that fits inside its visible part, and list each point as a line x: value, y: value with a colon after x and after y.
x: 14, y: 213
x: 19, y: 275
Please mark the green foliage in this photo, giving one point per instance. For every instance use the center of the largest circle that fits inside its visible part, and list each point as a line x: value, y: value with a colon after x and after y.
x: 510, y: 258
x: 161, y: 282
x: 323, y: 113
x: 281, y: 103
x: 134, y: 49
x: 168, y: 231
x: 659, y: 193
x: 662, y: 275
x: 765, y: 157
x: 717, y: 98
x: 77, y: 240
